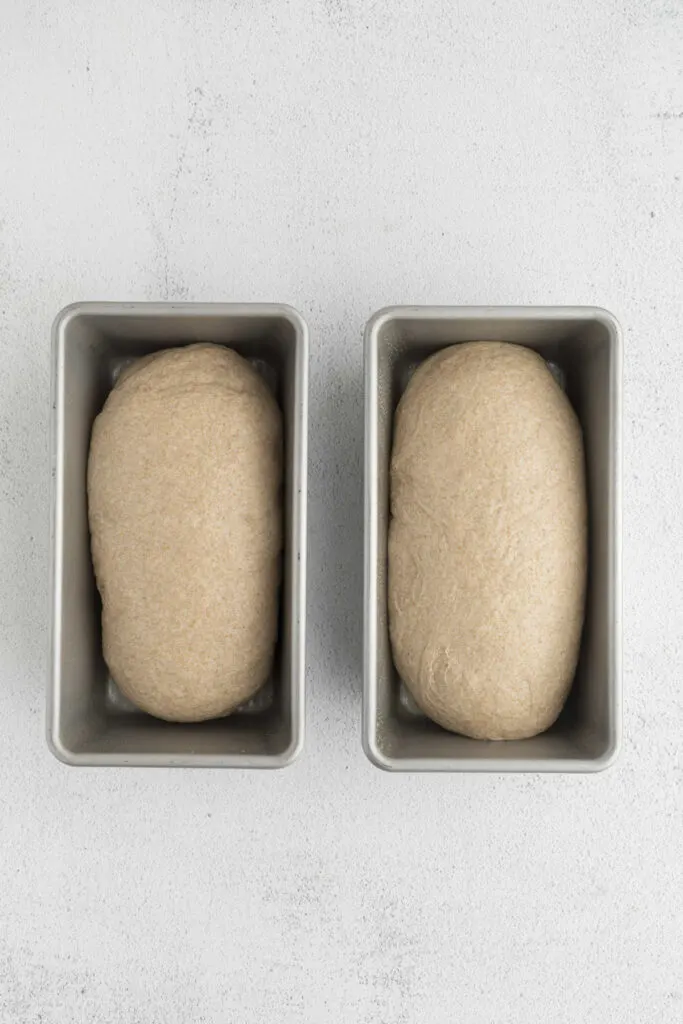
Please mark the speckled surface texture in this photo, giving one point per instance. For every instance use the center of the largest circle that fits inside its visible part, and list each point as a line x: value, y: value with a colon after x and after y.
x: 185, y: 510
x: 488, y: 511
x: 342, y: 156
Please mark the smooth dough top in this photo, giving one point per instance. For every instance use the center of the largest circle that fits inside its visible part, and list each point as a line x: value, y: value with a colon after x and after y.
x: 487, y: 541
x: 184, y: 480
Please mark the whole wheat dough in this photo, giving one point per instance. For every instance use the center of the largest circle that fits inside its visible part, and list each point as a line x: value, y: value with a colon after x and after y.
x: 487, y: 541
x: 184, y: 503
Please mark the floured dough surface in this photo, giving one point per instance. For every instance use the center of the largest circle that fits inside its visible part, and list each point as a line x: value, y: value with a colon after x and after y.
x: 185, y: 516
x: 487, y: 541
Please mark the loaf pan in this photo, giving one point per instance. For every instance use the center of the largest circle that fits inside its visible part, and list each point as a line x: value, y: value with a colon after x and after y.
x: 583, y: 348
x: 89, y: 722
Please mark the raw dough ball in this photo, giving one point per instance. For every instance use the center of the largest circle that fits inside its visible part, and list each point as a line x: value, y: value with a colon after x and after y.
x: 184, y: 503
x: 487, y: 544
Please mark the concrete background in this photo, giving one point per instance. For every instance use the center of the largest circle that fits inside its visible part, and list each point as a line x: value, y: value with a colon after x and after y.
x: 341, y: 155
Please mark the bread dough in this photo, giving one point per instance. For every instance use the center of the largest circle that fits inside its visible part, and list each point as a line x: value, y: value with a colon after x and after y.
x: 487, y: 541
x: 184, y: 499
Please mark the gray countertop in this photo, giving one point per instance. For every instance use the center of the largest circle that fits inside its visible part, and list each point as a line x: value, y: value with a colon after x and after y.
x: 342, y: 156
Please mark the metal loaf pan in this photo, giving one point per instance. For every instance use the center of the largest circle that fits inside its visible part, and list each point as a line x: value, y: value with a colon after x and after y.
x: 583, y: 346
x: 88, y: 720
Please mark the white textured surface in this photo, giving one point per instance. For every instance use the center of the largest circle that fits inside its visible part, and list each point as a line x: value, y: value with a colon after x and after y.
x: 341, y: 155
